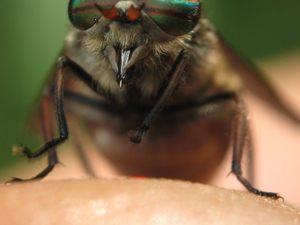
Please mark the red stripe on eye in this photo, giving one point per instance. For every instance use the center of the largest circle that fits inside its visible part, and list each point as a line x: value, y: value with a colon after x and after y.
x: 110, y: 14
x: 134, y: 13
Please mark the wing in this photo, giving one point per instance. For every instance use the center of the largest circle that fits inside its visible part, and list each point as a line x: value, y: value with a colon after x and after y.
x: 255, y: 81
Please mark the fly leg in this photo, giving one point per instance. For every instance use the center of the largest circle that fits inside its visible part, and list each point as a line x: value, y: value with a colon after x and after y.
x: 51, y: 144
x: 49, y: 147
x: 137, y: 136
x: 240, y: 135
x: 48, y: 135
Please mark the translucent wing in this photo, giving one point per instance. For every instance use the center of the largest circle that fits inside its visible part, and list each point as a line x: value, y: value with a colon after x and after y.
x: 255, y: 81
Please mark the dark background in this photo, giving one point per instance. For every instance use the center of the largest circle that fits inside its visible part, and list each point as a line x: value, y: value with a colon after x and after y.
x: 32, y: 34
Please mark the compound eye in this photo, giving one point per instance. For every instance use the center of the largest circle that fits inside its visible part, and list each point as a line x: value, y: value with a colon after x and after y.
x: 83, y: 13
x: 174, y: 17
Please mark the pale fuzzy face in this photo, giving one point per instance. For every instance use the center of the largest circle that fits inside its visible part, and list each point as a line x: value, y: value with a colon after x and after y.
x: 149, y: 73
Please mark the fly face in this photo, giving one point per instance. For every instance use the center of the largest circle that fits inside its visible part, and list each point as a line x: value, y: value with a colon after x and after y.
x: 121, y: 40
x: 128, y: 36
x: 152, y: 64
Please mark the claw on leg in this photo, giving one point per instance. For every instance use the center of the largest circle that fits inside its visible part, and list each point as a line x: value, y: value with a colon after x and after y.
x: 40, y: 176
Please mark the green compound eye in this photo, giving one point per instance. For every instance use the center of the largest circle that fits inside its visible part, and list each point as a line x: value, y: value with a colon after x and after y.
x: 82, y: 13
x: 174, y: 17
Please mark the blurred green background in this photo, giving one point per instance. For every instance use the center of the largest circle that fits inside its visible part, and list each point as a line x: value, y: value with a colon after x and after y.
x: 32, y: 34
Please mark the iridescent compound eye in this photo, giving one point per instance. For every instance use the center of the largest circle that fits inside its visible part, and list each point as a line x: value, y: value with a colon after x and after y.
x: 82, y: 13
x: 175, y: 17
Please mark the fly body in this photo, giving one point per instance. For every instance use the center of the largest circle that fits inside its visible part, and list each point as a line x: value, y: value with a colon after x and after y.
x: 156, y: 74
x: 173, y: 130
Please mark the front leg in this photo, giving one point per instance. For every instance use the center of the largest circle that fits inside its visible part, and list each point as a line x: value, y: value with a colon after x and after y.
x: 240, y: 134
x: 181, y: 61
x: 52, y: 143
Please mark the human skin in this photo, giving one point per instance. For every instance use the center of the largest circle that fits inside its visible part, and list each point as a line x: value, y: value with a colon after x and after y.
x: 137, y: 201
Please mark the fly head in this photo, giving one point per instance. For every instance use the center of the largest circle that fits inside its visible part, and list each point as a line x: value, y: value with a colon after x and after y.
x: 134, y: 35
